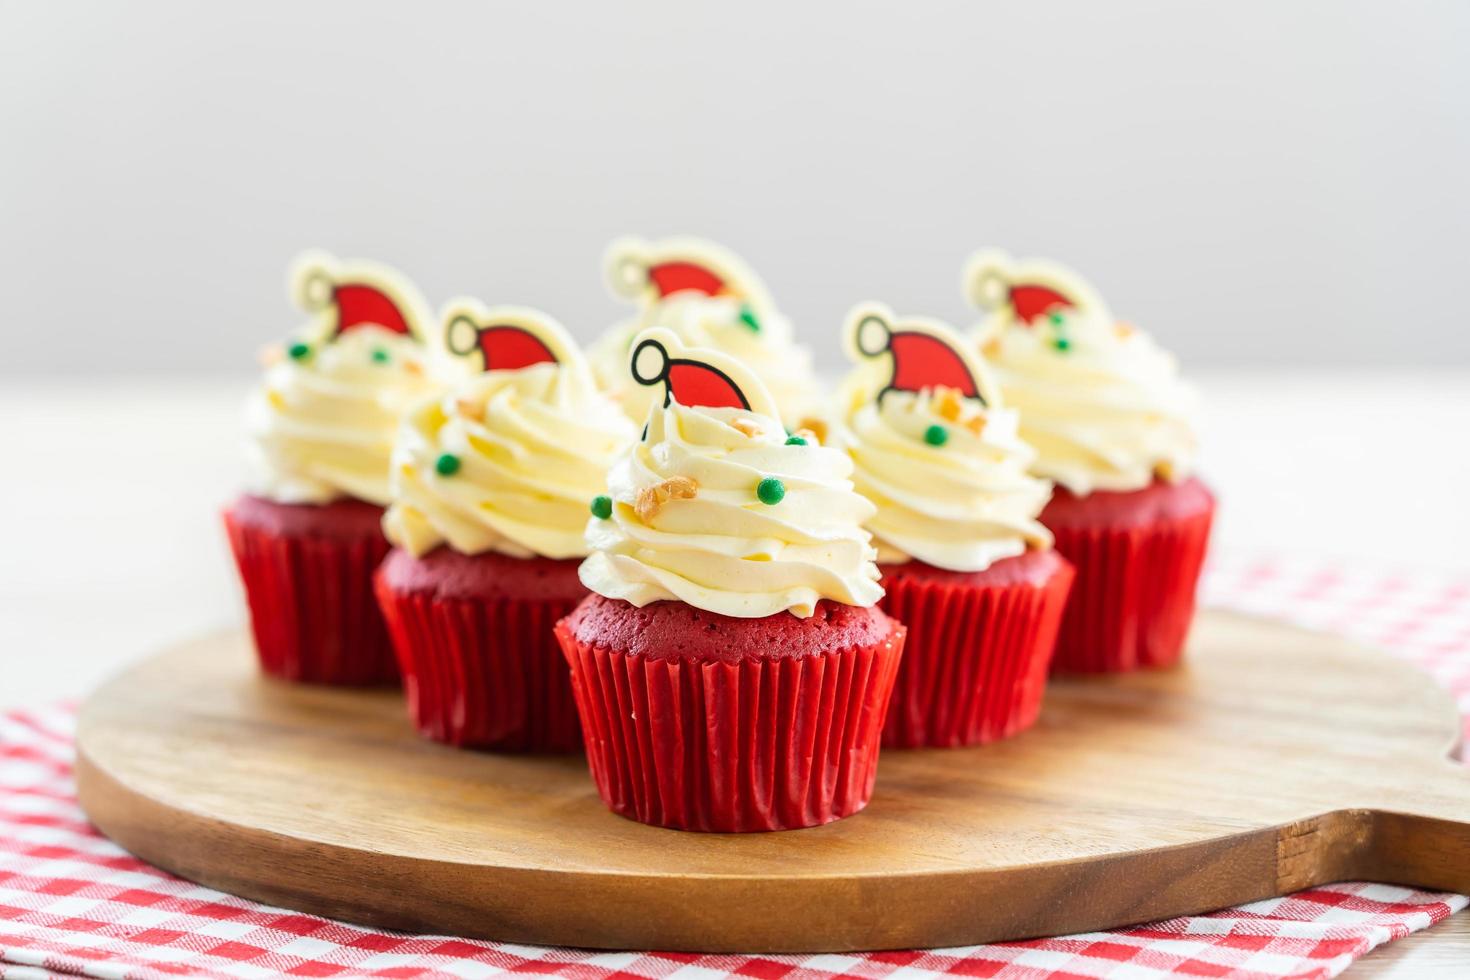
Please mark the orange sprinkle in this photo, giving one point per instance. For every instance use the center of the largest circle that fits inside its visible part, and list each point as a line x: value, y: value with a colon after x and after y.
x: 470, y: 408
x: 948, y: 403
x: 651, y: 499
x: 747, y: 427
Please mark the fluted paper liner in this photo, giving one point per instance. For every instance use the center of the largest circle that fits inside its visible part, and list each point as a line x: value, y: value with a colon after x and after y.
x: 975, y: 666
x: 760, y: 744
x: 311, y: 605
x: 484, y: 673
x: 1134, y: 598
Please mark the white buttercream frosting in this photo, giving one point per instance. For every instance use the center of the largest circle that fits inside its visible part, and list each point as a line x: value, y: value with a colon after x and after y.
x: 962, y: 505
x: 1100, y: 402
x: 321, y: 425
x: 530, y: 448
x: 721, y: 548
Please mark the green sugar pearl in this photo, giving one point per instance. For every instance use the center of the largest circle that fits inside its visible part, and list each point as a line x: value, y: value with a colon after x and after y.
x: 1056, y: 318
x: 1061, y: 343
x: 447, y: 464
x: 380, y: 356
x: 936, y: 435
x: 795, y: 441
x: 747, y: 317
x: 602, y: 507
x: 299, y: 351
x: 771, y: 491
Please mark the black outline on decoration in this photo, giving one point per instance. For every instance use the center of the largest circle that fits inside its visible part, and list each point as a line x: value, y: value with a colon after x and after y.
x: 888, y: 334
x: 668, y: 365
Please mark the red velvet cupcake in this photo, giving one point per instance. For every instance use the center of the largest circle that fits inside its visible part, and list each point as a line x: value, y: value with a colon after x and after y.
x: 701, y: 721
x: 1112, y: 425
x: 730, y: 670
x: 491, y: 490
x: 307, y: 536
x: 965, y: 563
x: 1138, y: 556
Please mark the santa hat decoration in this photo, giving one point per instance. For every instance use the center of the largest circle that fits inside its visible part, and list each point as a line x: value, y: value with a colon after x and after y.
x: 1028, y: 290
x: 651, y: 271
x: 507, y: 338
x: 696, y: 377
x: 355, y: 293
x: 923, y: 354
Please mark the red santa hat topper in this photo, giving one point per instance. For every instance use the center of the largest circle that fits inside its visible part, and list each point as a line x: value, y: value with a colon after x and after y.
x: 507, y: 338
x: 923, y: 354
x: 1027, y: 290
x: 651, y: 271
x: 347, y: 294
x: 696, y: 377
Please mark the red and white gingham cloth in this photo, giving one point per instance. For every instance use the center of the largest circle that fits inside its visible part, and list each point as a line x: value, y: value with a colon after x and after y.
x: 72, y: 903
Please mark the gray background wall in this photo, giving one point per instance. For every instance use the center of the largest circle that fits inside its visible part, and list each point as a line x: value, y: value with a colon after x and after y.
x: 1258, y: 181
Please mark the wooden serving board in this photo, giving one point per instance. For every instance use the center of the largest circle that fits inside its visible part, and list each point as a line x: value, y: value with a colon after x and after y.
x: 1276, y: 760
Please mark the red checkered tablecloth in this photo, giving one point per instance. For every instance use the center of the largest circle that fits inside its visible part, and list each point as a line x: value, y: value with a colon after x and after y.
x: 71, y: 903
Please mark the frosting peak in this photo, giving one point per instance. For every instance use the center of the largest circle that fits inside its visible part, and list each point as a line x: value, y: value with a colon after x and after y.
x: 718, y: 508
x: 1101, y: 403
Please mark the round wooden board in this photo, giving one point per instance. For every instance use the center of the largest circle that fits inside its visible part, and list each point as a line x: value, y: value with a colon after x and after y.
x: 1276, y: 760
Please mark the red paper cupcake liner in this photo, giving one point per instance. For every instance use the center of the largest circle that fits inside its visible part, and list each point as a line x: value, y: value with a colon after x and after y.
x: 753, y: 745
x: 484, y: 673
x: 1134, y: 598
x: 975, y: 666
x: 311, y: 604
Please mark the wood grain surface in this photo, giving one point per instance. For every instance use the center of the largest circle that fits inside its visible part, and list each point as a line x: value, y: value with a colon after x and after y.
x: 1277, y: 759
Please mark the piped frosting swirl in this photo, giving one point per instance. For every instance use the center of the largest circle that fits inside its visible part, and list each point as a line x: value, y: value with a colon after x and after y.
x: 321, y: 424
x: 715, y: 506
x: 508, y: 460
x: 1102, y: 404
x: 944, y: 465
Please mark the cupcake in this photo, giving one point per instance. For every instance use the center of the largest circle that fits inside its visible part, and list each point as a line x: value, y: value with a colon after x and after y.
x: 731, y: 667
x: 1112, y: 424
x: 965, y: 563
x: 709, y: 298
x: 491, y: 485
x: 306, y: 535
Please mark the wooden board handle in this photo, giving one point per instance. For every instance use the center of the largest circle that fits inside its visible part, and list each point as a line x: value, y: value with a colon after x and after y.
x: 1424, y: 843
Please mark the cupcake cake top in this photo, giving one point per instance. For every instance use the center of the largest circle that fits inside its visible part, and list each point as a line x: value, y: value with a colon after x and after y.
x: 718, y: 507
x: 320, y: 425
x: 506, y: 460
x: 933, y: 448
x: 1102, y: 404
x: 709, y: 298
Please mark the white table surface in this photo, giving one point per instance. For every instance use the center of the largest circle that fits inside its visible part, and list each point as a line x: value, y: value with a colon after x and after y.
x: 112, y: 546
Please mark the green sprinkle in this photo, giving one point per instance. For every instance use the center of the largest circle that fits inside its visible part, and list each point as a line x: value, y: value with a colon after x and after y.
x: 771, y: 491
x: 936, y: 435
x: 380, y: 356
x: 602, y: 507
x: 1057, y: 318
x: 299, y: 351
x: 1061, y: 343
x: 795, y: 441
x: 747, y: 317
x: 447, y: 464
